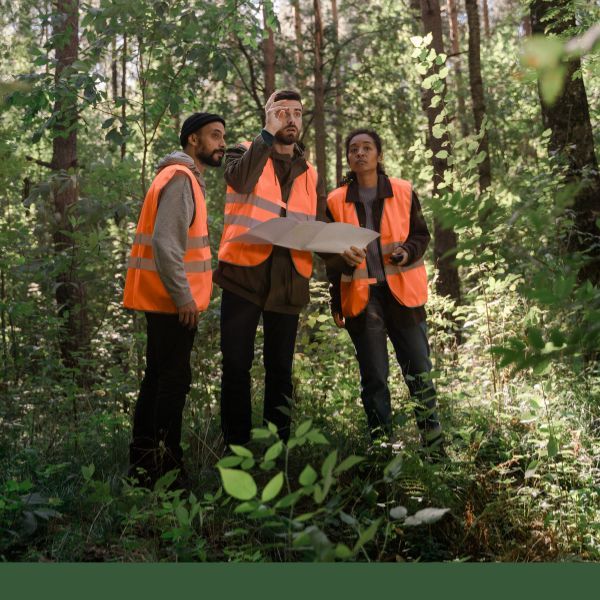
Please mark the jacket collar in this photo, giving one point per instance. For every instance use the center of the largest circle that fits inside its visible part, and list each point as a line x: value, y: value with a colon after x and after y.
x: 384, y: 189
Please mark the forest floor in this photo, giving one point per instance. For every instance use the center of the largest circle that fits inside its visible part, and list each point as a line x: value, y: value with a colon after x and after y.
x: 521, y: 482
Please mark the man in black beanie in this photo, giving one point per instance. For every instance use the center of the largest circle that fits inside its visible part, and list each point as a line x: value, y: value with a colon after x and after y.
x: 169, y: 278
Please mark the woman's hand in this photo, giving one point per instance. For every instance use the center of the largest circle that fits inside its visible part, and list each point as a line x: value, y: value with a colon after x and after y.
x: 353, y: 256
x: 399, y: 257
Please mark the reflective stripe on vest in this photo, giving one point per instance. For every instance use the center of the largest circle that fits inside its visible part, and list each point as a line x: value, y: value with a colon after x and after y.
x: 143, y: 288
x: 408, y: 284
x: 244, y: 211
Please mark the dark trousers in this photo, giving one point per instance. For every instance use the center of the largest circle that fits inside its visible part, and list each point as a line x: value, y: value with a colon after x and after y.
x: 369, y: 332
x: 239, y: 321
x: 156, y: 444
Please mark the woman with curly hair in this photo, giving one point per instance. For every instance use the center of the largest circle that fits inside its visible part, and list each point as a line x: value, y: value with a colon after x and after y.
x: 382, y: 289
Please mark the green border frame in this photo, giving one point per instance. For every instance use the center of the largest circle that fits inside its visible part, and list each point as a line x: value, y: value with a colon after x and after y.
x: 306, y: 581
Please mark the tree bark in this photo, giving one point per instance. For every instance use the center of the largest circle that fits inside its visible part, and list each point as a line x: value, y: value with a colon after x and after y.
x: 456, y: 61
x: 124, y: 91
x: 268, y: 45
x: 300, y: 78
x: 476, y: 82
x: 339, y: 157
x: 572, y: 139
x: 486, y: 19
x: 319, y: 95
x: 70, y: 293
x: 445, y: 239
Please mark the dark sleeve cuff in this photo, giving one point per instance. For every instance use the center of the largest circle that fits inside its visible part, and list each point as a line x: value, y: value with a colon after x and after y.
x: 267, y: 137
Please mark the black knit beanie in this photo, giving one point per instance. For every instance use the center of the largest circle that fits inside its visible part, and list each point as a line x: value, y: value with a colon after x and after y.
x: 194, y: 122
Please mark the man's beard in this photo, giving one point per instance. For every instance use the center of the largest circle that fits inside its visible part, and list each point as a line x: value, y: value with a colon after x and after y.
x: 210, y: 160
x: 286, y: 138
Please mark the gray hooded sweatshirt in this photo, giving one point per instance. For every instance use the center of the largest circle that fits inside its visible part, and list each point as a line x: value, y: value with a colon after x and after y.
x: 176, y: 213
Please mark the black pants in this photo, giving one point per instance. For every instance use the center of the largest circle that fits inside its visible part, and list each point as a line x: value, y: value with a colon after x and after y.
x: 156, y: 444
x: 369, y: 332
x: 239, y: 321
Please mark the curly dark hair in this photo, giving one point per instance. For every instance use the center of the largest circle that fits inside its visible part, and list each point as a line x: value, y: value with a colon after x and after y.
x: 351, y: 175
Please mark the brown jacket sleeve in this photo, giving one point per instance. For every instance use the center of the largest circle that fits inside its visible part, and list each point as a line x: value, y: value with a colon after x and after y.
x: 243, y: 167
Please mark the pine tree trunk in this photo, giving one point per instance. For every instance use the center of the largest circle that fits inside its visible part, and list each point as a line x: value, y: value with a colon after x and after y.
x: 339, y: 157
x: 572, y: 138
x: 445, y: 239
x: 300, y: 75
x: 70, y: 292
x: 476, y: 82
x: 486, y: 18
x: 319, y: 94
x: 268, y: 57
x: 124, y: 90
x: 456, y: 61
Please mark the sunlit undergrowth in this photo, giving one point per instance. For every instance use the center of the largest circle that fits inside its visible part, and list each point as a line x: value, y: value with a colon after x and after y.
x: 521, y: 483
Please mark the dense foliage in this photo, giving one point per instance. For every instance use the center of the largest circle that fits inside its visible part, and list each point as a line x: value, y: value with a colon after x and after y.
x: 515, y: 358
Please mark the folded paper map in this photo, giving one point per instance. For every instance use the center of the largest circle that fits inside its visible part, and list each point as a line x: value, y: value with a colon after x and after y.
x: 308, y: 235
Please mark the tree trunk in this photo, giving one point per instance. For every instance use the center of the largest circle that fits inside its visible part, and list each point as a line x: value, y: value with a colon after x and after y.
x: 268, y: 45
x: 300, y: 78
x: 526, y: 25
x: 484, y: 167
x: 486, y: 18
x: 319, y: 93
x: 456, y: 61
x: 572, y: 139
x: 70, y: 293
x: 124, y: 90
x: 445, y: 239
x: 339, y: 157
x: 114, y: 75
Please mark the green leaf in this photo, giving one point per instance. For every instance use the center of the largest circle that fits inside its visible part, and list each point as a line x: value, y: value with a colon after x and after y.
x: 542, y: 367
x: 303, y: 428
x: 289, y: 500
x: 416, y: 41
x: 247, y: 463
x: 241, y: 451
x: 437, y: 131
x: 342, y: 551
x: 367, y: 535
x: 261, y: 434
x: 316, y: 437
x: 274, y: 451
x: 348, y: 463
x: 114, y: 137
x: 238, y: 484
x: 308, y: 476
x: 552, y: 82
x: 272, y: 488
x: 329, y: 463
x: 442, y: 154
x: 183, y: 516
x: 230, y: 461
x: 393, y: 468
x: 552, y: 447
x: 88, y: 471
x: 542, y: 52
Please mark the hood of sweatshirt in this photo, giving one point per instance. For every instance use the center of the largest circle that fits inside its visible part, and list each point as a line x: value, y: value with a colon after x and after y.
x: 181, y: 158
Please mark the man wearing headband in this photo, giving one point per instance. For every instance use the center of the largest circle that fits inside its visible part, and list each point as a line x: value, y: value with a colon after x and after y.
x: 169, y: 278
x: 267, y: 178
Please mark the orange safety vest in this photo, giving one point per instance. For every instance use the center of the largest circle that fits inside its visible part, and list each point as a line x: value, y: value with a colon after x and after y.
x: 244, y: 211
x: 143, y: 288
x: 408, y: 284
